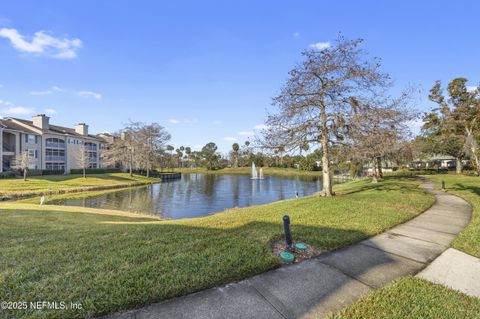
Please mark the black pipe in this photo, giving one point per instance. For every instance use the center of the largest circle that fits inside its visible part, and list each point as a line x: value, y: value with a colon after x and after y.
x: 288, y: 234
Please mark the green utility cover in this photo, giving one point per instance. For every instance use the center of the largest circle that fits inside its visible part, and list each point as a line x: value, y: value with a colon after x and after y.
x: 287, y: 257
x: 301, y: 246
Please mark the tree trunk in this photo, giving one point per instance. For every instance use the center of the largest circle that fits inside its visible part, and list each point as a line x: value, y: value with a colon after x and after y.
x: 459, y: 165
x: 477, y: 163
x: 25, y: 174
x: 474, y: 150
x: 84, y: 173
x: 379, y: 167
x: 148, y: 171
x: 327, y: 178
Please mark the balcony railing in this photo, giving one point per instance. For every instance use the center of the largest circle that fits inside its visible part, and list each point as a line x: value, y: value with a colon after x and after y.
x: 55, y: 145
x: 54, y: 158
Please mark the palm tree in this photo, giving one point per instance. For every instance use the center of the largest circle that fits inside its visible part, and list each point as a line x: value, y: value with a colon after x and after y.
x: 188, y: 151
x: 170, y: 148
x: 235, y: 148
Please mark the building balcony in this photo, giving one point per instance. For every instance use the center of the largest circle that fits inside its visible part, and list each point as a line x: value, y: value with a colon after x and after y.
x: 53, y: 158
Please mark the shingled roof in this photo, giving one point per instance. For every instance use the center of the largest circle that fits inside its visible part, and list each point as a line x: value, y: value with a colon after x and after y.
x: 53, y: 129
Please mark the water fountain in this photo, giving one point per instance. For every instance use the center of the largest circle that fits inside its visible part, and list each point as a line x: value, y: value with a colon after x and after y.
x: 256, y: 174
x: 254, y: 171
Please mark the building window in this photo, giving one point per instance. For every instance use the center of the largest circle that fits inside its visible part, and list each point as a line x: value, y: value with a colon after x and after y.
x: 91, y: 149
x: 55, y: 154
x: 31, y: 154
x: 32, y: 139
x: 55, y: 166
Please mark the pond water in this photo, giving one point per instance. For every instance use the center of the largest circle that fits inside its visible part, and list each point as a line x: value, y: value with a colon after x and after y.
x: 198, y: 195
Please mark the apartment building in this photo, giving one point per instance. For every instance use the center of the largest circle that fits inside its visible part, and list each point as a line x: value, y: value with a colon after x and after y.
x: 48, y: 146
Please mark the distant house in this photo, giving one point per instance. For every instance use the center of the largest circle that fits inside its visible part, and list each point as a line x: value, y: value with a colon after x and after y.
x: 435, y: 161
x: 387, y: 167
x: 49, y: 146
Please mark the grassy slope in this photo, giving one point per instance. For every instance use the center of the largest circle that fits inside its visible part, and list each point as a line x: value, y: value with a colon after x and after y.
x: 268, y: 171
x: 109, y: 263
x: 68, y: 183
x: 413, y: 298
x: 467, y: 187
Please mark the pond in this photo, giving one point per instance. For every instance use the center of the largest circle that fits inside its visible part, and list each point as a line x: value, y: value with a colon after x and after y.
x: 198, y: 195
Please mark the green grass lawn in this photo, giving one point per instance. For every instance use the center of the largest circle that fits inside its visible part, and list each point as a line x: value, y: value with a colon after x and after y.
x: 110, y: 261
x: 268, y: 171
x: 416, y: 298
x: 55, y: 184
x: 467, y: 187
x: 413, y: 298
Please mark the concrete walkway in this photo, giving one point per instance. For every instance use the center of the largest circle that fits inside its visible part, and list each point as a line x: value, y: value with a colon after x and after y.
x: 316, y: 287
x: 456, y: 270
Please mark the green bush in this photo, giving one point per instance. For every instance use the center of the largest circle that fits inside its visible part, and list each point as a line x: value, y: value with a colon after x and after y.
x: 41, y: 172
x: 95, y: 170
x: 7, y: 175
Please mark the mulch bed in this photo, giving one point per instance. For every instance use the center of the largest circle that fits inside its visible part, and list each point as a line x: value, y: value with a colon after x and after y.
x: 279, y: 246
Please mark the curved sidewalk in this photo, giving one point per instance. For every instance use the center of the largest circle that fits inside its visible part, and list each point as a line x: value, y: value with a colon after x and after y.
x: 316, y: 287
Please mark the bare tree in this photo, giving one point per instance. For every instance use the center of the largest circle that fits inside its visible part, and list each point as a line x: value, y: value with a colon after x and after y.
x: 22, y: 162
x: 152, y: 138
x: 138, y: 146
x: 380, y: 131
x: 315, y: 104
x: 82, y: 158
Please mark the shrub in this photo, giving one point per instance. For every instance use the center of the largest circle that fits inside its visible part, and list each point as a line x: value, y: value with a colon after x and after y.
x: 7, y: 175
x: 40, y: 172
x: 52, y: 172
x: 94, y: 170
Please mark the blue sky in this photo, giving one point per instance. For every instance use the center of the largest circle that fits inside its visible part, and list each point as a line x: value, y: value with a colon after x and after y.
x: 207, y: 70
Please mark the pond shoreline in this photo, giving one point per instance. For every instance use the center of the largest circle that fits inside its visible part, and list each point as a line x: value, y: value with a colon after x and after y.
x: 196, y: 195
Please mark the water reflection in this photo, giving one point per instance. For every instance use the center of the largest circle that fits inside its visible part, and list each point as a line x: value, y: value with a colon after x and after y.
x: 199, y: 195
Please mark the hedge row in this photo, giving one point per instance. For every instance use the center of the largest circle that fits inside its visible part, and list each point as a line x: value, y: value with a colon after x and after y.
x: 95, y: 170
x: 40, y: 172
x: 7, y: 175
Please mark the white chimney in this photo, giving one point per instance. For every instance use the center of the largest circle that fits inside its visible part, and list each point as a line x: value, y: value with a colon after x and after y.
x: 81, y: 128
x: 41, y: 121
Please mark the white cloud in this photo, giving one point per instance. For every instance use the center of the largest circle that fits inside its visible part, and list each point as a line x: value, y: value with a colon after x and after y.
x: 320, y: 45
x: 229, y: 138
x: 50, y: 111
x: 472, y: 89
x: 42, y: 43
x: 296, y: 34
x: 89, y: 94
x: 6, y: 103
x: 56, y: 89
x: 246, y: 133
x: 46, y: 92
x: 186, y: 121
x: 260, y: 127
x: 18, y: 110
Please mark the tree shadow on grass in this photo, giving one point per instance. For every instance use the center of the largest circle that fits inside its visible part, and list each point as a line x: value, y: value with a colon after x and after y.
x: 463, y: 187
x: 389, y: 183
x: 116, y: 263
